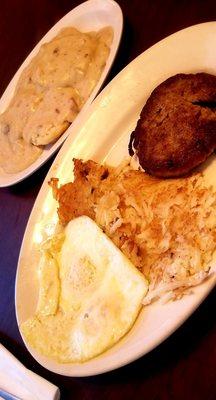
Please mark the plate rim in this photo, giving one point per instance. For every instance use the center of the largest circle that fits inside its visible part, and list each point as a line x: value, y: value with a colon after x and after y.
x: 63, y: 150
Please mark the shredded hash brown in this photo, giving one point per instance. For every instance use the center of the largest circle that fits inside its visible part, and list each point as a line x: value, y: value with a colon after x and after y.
x: 165, y: 227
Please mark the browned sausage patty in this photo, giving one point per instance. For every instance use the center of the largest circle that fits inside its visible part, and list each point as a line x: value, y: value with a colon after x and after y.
x: 177, y: 126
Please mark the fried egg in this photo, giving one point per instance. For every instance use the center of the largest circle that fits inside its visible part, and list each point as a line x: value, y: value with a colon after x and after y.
x: 90, y: 295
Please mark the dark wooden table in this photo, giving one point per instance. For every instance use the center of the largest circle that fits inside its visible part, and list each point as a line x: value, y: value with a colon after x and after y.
x: 184, y: 366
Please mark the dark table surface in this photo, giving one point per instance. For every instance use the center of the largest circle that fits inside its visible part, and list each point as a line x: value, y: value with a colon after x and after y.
x: 184, y: 366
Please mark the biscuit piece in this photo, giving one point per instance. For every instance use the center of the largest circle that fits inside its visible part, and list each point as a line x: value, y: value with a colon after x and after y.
x: 15, y: 154
x: 22, y: 106
x: 177, y: 126
x: 69, y: 59
x: 52, y: 117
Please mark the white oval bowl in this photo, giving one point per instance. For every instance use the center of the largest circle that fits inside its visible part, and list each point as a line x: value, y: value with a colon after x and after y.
x: 104, y: 135
x: 90, y: 15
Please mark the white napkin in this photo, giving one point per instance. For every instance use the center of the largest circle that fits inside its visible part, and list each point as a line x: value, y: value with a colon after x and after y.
x: 23, y: 383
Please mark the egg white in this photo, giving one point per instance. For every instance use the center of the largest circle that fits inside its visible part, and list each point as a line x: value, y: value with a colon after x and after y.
x: 99, y: 297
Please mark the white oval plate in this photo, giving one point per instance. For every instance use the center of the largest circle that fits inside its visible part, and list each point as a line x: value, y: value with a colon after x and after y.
x: 91, y: 15
x: 104, y: 136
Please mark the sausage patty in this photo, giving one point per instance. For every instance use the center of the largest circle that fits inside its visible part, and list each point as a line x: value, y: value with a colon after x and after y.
x: 177, y: 126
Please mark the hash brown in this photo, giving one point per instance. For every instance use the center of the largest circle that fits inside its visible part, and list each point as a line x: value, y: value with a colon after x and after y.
x: 165, y: 227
